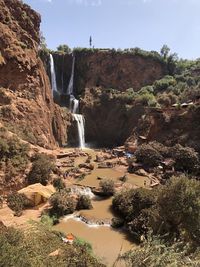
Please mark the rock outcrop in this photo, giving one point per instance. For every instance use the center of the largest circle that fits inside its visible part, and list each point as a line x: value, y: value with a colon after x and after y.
x: 26, y: 103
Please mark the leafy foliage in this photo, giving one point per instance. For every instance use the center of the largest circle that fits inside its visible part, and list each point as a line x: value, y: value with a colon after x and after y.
x: 42, y: 166
x: 58, y: 183
x: 84, y: 202
x: 155, y: 253
x: 33, y: 247
x: 148, y: 155
x: 17, y: 202
x: 178, y: 206
x: 62, y: 203
x: 186, y: 159
x: 64, y: 48
x: 171, y: 211
x: 107, y: 187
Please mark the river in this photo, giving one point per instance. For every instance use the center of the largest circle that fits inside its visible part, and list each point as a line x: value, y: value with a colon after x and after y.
x: 107, y: 243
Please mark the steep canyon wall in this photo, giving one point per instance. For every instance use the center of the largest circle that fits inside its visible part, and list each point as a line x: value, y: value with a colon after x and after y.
x: 26, y: 103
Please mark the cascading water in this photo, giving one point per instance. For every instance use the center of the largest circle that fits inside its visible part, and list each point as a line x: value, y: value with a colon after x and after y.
x: 81, y: 129
x: 53, y: 75
x: 70, y: 89
x: 86, y: 191
x: 74, y: 107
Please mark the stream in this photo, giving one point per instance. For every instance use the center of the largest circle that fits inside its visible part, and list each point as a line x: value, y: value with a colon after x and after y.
x: 94, y: 225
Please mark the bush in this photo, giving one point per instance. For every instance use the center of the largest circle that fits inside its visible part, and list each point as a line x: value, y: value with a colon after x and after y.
x: 32, y: 248
x: 186, y: 159
x: 167, y: 99
x: 84, y: 202
x: 14, y: 151
x: 164, y: 83
x: 64, y: 48
x: 49, y: 221
x: 107, y: 187
x: 117, y: 222
x: 62, y: 203
x: 17, y: 203
x: 82, y: 242
x: 42, y: 166
x: 160, y: 148
x: 58, y: 183
x: 178, y: 209
x: 154, y: 252
x: 146, y: 99
x: 128, y: 204
x: 148, y: 156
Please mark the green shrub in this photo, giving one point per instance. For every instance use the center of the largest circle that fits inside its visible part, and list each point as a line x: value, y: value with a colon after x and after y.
x: 148, y: 156
x: 117, y: 222
x: 129, y: 203
x: 164, y: 83
x: 62, y: 203
x: 14, y: 151
x: 64, y: 48
x: 156, y: 253
x: 42, y: 166
x: 146, y: 99
x: 58, y: 183
x: 17, y: 202
x: 49, y: 221
x: 32, y: 247
x: 186, y: 159
x: 84, y: 202
x: 163, y: 150
x: 107, y: 187
x: 178, y: 209
x: 81, y: 242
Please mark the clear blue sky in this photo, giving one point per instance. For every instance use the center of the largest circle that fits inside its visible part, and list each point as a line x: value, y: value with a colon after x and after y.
x: 147, y: 24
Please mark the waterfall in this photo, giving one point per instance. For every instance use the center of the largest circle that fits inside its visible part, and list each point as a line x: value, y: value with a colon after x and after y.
x: 63, y: 74
x: 81, y: 129
x: 53, y: 75
x: 74, y: 107
x: 70, y: 89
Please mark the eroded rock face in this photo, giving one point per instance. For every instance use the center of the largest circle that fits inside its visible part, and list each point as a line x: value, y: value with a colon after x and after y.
x: 108, y: 122
x: 116, y: 70
x: 30, y: 111
x: 173, y: 126
x: 108, y: 69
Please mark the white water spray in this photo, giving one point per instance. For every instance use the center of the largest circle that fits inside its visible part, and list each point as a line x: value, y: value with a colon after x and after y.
x: 53, y: 74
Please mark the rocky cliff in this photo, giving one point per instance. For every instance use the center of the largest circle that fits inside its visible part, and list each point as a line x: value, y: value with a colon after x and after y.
x: 109, y: 122
x: 26, y: 103
x: 108, y: 69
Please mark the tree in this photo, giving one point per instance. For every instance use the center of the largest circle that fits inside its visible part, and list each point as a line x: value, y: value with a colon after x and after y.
x: 84, y: 202
x: 64, y: 48
x: 17, y: 202
x: 164, y: 51
x: 41, y: 169
x: 90, y: 41
x: 107, y: 187
x: 62, y: 203
x: 186, y: 159
x: 148, y: 155
x: 178, y: 208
